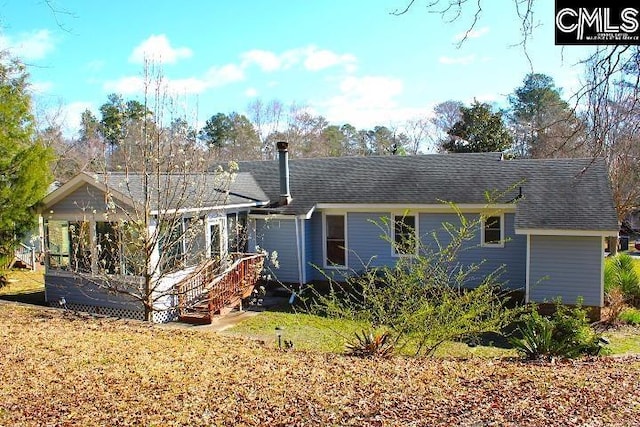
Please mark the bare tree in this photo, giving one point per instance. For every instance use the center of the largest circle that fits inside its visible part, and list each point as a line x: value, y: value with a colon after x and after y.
x: 613, y: 120
x: 158, y: 198
x: 267, y: 119
x: 419, y: 132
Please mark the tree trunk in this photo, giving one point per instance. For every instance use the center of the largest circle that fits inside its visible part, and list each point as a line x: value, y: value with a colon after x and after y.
x: 613, y: 245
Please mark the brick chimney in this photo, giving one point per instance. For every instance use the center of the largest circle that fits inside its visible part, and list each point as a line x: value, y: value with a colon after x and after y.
x: 283, y: 161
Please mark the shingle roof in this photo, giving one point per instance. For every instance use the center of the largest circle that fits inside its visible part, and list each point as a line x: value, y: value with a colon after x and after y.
x: 557, y: 193
x: 190, y: 190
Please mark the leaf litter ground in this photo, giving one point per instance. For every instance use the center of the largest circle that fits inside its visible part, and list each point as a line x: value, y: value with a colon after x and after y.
x: 62, y: 369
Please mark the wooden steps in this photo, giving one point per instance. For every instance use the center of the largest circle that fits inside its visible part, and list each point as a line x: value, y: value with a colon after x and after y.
x: 205, y: 294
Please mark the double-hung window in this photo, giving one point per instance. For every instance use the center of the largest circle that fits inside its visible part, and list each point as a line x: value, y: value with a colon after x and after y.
x: 493, y: 231
x: 335, y: 241
x: 405, y: 235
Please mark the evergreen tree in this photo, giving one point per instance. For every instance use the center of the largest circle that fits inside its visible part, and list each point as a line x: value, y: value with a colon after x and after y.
x: 24, y: 160
x: 479, y: 131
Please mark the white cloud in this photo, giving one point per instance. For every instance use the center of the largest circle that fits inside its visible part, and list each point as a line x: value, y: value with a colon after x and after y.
x: 158, y: 49
x: 321, y: 59
x: 368, y: 101
x: 267, y: 61
x: 220, y: 76
x: 472, y: 34
x: 461, y: 60
x: 250, y: 92
x: 71, y: 116
x: 125, y: 85
x: 39, y: 88
x: 28, y: 46
x: 213, y: 77
x: 312, y: 59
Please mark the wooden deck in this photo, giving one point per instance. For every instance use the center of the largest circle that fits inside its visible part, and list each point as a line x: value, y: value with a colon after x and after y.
x: 209, y: 291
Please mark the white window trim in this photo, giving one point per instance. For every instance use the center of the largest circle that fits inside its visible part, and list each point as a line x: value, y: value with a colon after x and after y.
x: 324, y: 242
x: 500, y: 244
x: 222, y: 223
x: 393, y: 233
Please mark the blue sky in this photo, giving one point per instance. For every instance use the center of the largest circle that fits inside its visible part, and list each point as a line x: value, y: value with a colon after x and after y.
x: 350, y: 61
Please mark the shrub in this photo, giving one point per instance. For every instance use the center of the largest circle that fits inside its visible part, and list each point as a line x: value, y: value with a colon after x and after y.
x: 567, y: 333
x: 426, y: 299
x: 370, y: 345
x: 616, y: 303
x: 630, y: 316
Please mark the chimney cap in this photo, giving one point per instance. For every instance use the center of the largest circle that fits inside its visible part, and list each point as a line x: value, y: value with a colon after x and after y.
x: 282, y: 145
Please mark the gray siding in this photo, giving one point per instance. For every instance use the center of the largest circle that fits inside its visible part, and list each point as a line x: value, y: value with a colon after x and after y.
x: 78, y: 291
x: 367, y: 245
x: 365, y: 242
x: 511, y: 258
x: 279, y: 235
x: 85, y: 198
x: 566, y: 266
x: 366, y: 239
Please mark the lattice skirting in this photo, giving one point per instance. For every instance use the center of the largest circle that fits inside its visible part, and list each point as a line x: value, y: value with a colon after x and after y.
x: 165, y: 316
x: 107, y: 311
x: 158, y: 316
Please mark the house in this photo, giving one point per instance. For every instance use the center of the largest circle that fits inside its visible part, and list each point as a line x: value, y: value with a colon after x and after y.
x: 193, y: 229
x: 547, y: 226
x: 548, y: 231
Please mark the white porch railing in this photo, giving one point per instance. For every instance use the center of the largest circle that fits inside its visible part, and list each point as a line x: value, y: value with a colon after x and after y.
x: 26, y: 255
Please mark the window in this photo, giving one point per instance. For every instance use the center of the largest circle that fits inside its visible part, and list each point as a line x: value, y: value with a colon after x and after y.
x: 492, y: 231
x: 80, y: 246
x: 237, y: 232
x: 215, y: 242
x: 109, y: 253
x: 171, y: 241
x: 195, y: 241
x: 335, y: 244
x: 58, y: 244
x: 405, y: 235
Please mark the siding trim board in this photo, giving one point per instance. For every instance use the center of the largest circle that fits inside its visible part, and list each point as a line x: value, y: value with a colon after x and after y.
x: 434, y: 208
x: 528, y: 269
x: 584, y: 233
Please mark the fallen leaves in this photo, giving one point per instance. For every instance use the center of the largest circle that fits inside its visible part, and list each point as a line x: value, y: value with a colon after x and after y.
x: 73, y: 370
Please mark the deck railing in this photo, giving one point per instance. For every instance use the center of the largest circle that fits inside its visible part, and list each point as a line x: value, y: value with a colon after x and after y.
x: 26, y: 255
x: 215, y: 287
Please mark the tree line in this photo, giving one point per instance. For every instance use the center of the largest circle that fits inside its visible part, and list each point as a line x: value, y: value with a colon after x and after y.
x: 538, y: 123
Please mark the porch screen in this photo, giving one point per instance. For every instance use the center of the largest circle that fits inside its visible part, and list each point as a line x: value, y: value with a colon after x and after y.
x: 336, y: 248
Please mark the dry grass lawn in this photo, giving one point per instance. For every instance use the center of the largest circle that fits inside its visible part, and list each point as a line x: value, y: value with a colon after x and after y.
x: 61, y: 370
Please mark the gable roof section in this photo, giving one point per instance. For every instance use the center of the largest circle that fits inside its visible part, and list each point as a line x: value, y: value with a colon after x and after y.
x: 189, y: 190
x: 565, y: 194
x: 558, y: 194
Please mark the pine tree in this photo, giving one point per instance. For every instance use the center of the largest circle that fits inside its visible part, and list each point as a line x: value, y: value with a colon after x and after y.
x: 24, y: 160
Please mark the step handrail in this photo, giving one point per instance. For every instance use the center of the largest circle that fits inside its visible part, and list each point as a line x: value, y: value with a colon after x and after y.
x: 217, y: 288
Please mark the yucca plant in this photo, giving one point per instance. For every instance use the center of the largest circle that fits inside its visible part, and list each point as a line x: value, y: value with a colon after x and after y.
x: 369, y: 345
x: 566, y: 333
x: 537, y: 338
x: 620, y: 273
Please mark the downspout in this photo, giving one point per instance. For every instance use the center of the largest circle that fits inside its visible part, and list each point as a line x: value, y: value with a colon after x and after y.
x: 298, y: 256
